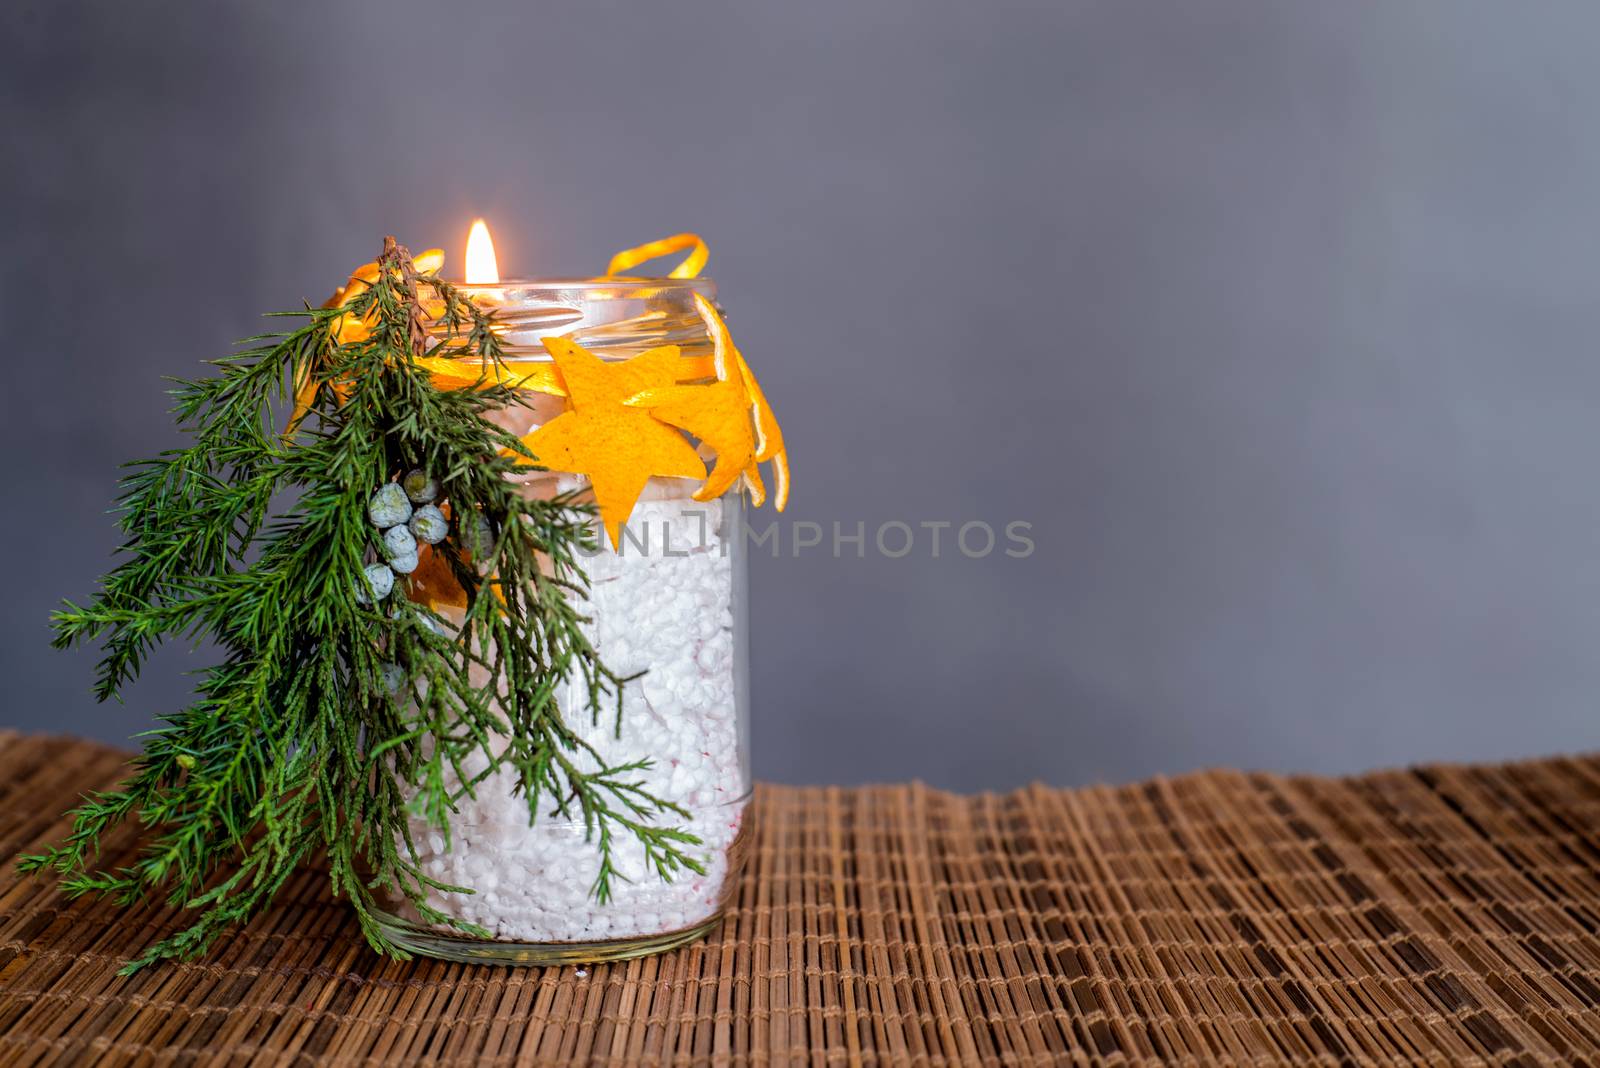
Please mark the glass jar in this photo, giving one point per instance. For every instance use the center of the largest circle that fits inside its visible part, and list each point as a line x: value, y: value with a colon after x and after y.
x: 668, y: 604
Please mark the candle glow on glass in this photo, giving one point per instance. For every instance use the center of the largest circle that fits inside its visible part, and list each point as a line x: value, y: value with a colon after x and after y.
x: 480, y: 262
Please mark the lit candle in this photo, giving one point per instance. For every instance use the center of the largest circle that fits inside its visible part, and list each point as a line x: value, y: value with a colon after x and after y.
x: 482, y: 268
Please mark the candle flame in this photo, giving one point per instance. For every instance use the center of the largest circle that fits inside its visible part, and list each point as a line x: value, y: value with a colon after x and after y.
x: 481, y: 265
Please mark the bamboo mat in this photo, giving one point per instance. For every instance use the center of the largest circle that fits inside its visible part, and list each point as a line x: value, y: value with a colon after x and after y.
x: 1445, y: 915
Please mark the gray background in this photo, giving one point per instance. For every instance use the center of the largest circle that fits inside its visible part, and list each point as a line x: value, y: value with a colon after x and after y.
x: 1276, y: 320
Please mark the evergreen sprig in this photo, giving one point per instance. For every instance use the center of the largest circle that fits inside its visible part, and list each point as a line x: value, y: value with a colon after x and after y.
x: 295, y: 746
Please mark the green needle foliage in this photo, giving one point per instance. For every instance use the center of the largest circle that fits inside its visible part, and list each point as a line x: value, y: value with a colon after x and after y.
x: 296, y: 746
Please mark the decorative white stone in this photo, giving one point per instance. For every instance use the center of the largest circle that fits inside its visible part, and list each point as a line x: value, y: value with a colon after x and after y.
x: 681, y: 716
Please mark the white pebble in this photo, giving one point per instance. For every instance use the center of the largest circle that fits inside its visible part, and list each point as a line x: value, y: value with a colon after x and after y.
x: 648, y: 613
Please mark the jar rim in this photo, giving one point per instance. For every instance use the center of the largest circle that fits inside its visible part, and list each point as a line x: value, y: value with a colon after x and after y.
x: 622, y: 284
x: 616, y: 316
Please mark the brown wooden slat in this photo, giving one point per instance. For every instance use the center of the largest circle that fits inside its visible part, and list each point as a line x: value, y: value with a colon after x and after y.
x: 1446, y: 915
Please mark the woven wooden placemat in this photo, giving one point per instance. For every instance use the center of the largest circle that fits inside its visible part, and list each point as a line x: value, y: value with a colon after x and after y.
x: 1445, y: 915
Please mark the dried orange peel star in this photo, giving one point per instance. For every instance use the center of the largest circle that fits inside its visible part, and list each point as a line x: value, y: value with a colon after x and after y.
x: 731, y: 415
x: 719, y: 415
x: 618, y: 447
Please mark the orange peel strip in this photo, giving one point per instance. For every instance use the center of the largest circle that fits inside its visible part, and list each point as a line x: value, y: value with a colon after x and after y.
x: 690, y: 267
x: 540, y: 378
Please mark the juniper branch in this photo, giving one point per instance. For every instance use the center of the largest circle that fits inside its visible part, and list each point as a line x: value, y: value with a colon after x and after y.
x: 294, y: 745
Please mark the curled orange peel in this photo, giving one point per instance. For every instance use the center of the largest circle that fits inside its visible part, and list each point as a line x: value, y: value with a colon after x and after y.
x: 690, y: 267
